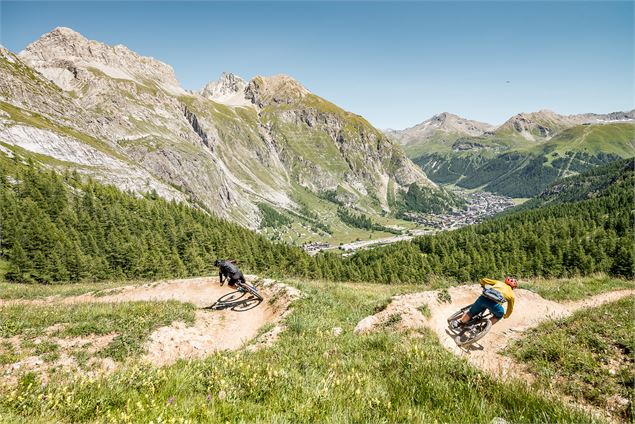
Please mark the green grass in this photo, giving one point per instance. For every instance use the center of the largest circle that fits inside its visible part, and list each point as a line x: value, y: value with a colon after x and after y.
x: 8, y: 354
x: 425, y: 310
x: 310, y: 375
x: 588, y: 356
x: 576, y: 288
x: 13, y: 291
x: 132, y: 322
x: 616, y: 138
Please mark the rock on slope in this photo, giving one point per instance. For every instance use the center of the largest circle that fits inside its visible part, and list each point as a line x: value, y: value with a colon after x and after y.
x: 229, y: 147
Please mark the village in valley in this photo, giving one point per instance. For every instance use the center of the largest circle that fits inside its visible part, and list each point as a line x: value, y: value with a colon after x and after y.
x: 480, y: 205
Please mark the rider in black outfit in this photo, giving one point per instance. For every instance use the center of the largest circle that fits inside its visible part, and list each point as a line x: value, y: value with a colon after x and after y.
x: 230, y: 271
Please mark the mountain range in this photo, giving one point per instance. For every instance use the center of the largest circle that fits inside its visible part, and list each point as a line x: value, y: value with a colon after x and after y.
x: 523, y: 155
x: 246, y: 150
x: 232, y: 148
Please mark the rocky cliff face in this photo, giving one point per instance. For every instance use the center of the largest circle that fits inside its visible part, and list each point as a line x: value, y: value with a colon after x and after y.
x: 230, y: 147
x: 60, y: 54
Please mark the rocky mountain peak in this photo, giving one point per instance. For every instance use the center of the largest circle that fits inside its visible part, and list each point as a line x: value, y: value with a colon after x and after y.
x: 228, y: 89
x: 449, y: 122
x: 63, y: 48
x: 530, y: 125
x: 444, y: 116
x: 6, y: 54
x: 275, y: 89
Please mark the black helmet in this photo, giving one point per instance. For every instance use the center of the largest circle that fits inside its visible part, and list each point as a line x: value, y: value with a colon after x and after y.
x: 217, y: 262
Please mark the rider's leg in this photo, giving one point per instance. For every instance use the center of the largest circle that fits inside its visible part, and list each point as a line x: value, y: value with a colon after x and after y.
x: 479, y: 306
x: 498, y: 312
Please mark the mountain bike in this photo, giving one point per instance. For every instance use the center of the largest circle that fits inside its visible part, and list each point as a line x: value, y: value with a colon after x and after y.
x: 249, y: 288
x: 473, y: 330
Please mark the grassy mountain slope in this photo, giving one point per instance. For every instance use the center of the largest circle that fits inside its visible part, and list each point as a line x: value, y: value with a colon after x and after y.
x: 587, y: 356
x: 593, y: 183
x: 522, y: 156
x: 280, y: 145
x: 524, y: 170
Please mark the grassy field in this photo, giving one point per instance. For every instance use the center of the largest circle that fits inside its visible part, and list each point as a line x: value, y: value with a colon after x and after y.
x: 132, y: 322
x: 310, y: 375
x: 12, y: 291
x: 588, y: 356
x: 575, y: 288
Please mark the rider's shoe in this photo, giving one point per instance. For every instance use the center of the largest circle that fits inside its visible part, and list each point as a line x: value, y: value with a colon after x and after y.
x: 456, y: 324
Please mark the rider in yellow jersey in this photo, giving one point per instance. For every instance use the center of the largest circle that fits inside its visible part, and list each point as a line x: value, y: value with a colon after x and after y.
x: 502, y: 292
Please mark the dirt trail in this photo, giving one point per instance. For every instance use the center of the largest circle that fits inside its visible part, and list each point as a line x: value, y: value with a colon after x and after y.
x: 530, y: 309
x: 213, y: 329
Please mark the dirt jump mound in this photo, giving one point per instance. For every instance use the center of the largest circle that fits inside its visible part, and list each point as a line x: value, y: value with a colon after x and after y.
x: 406, y: 312
x: 225, y: 319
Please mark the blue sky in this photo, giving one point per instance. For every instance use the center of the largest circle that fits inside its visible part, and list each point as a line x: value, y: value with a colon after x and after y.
x: 395, y: 63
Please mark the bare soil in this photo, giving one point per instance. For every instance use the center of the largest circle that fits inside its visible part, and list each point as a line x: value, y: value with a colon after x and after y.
x: 227, y: 326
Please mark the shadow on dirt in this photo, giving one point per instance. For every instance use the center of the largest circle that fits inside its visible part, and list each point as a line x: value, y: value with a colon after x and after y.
x: 467, y: 348
x: 238, y: 301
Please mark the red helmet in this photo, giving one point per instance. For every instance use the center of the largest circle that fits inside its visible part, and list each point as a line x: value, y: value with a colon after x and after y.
x: 511, y: 282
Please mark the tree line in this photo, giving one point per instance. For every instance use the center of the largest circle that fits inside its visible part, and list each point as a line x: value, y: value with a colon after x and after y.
x: 59, y: 227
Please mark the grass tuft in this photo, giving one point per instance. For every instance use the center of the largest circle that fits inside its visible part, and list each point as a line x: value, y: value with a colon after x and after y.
x: 588, y: 356
x: 576, y: 288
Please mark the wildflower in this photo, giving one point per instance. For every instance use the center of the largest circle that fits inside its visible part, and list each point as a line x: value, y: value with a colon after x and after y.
x: 222, y: 395
x: 208, y: 398
x: 171, y: 401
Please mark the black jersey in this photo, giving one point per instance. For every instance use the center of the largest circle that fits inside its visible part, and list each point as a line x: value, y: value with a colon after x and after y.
x: 228, y: 269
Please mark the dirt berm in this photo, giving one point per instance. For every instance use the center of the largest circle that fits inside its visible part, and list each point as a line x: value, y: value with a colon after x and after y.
x: 530, y: 310
x: 215, y: 328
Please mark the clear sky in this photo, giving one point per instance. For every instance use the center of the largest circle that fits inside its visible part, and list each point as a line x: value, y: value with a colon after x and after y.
x: 395, y: 63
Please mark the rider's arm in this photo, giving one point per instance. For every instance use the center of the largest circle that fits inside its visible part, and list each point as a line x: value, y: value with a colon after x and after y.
x: 487, y: 281
x: 220, y: 275
x: 510, y: 307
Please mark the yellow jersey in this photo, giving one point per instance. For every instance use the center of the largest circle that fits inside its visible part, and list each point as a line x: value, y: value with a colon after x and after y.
x: 504, y: 289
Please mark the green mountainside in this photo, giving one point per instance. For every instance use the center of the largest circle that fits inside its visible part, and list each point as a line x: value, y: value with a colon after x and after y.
x: 62, y: 228
x: 578, y: 237
x: 591, y: 184
x: 515, y: 168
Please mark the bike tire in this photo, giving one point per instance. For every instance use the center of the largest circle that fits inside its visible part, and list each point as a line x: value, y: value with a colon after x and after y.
x: 251, y: 289
x: 478, y: 336
x: 458, y: 314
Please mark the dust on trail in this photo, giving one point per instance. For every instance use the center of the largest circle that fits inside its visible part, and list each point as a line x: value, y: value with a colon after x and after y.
x: 212, y: 330
x: 530, y: 309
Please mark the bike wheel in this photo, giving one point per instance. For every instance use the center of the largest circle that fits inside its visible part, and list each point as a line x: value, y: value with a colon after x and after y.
x: 252, y: 290
x: 475, y: 332
x: 458, y: 314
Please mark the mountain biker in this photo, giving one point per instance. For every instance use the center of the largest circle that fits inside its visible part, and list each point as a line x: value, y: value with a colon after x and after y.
x: 230, y: 271
x: 495, y: 293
